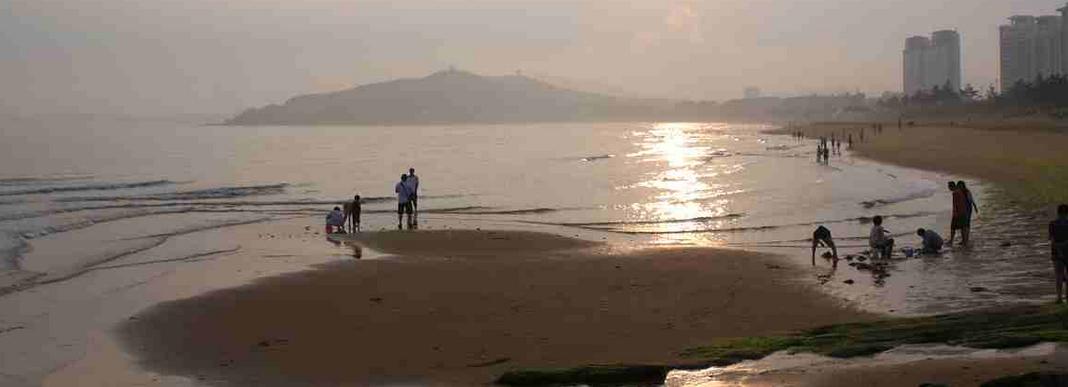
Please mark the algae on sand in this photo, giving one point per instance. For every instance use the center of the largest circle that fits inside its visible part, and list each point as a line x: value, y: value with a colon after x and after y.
x: 1011, y: 327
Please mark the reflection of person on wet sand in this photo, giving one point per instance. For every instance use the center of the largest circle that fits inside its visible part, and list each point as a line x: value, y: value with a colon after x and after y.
x: 822, y: 237
x: 1058, y: 243
x: 881, y: 245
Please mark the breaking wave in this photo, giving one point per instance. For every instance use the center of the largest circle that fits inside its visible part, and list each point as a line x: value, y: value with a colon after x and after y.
x: 87, y: 187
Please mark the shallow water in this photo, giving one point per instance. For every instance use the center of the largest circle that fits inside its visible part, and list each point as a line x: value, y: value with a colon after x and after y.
x: 136, y: 200
x: 635, y: 183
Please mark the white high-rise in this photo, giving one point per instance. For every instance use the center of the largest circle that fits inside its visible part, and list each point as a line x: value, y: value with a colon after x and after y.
x: 930, y: 62
x: 1031, y: 47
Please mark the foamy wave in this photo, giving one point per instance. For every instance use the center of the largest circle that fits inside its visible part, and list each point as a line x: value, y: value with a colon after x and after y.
x: 87, y: 187
x: 912, y: 196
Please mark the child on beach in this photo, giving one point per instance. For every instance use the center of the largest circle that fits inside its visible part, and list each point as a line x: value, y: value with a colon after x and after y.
x: 822, y: 237
x: 881, y: 245
x: 1058, y: 243
x: 932, y: 242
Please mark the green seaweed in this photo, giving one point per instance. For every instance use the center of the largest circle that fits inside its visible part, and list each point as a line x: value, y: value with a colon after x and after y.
x: 1033, y: 379
x: 1012, y: 327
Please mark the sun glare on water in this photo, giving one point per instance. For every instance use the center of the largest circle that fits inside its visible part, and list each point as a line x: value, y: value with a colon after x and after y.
x: 685, y: 183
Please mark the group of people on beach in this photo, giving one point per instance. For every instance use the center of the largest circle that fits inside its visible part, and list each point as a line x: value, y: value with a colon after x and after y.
x: 964, y: 205
x: 882, y: 245
x: 826, y: 147
x: 407, y: 190
x: 348, y: 214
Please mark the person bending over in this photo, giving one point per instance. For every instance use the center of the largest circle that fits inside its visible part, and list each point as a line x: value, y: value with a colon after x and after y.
x: 822, y: 237
x: 932, y: 242
x: 335, y: 221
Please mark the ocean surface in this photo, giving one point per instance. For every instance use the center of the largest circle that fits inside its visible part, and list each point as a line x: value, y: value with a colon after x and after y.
x: 78, y: 195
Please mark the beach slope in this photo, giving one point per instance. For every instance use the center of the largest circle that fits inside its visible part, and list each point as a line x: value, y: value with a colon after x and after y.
x: 463, y: 307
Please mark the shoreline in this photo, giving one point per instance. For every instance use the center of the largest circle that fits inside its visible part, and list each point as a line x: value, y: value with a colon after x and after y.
x: 1027, y: 163
x: 461, y: 307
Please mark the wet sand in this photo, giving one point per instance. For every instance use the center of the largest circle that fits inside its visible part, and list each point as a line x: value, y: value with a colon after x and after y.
x: 461, y: 307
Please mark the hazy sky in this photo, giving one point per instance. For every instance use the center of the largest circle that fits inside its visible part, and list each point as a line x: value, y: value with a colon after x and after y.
x: 215, y: 56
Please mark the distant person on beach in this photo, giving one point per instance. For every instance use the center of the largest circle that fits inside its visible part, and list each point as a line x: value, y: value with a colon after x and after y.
x: 413, y: 191
x: 881, y: 244
x: 352, y: 214
x: 1058, y: 244
x: 335, y: 221
x: 822, y: 237
x: 404, y: 204
x: 969, y: 208
x: 932, y: 242
x: 851, y: 141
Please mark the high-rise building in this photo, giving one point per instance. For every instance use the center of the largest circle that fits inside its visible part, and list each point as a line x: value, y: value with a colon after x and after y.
x: 930, y: 62
x: 1064, y: 39
x: 1031, y: 47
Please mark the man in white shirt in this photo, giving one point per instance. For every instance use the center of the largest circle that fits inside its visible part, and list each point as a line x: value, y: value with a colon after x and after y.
x: 413, y: 191
x: 404, y: 204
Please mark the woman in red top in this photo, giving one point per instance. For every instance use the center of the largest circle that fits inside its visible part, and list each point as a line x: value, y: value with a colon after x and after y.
x: 959, y: 203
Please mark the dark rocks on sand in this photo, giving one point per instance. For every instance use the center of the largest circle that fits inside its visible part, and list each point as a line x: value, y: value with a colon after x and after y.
x: 862, y: 258
x: 1006, y: 244
x: 828, y: 255
x: 848, y: 282
x: 978, y: 289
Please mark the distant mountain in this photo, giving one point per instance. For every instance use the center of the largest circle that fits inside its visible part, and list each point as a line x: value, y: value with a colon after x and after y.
x: 456, y: 97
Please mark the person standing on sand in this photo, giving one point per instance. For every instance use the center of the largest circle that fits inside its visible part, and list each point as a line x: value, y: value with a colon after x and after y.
x: 850, y: 141
x: 957, y: 218
x: 969, y: 207
x: 413, y: 191
x: 352, y: 214
x: 881, y: 245
x: 822, y: 237
x: 404, y: 205
x: 1058, y: 244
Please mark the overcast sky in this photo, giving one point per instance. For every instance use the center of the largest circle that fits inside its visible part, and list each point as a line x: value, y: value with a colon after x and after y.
x: 213, y: 56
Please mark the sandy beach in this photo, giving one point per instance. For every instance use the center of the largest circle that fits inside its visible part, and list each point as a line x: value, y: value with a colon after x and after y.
x: 461, y: 307
x: 1027, y: 161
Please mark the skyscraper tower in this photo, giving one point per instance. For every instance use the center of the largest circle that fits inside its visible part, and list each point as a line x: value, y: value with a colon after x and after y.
x: 1032, y: 46
x: 1064, y: 39
x: 930, y: 62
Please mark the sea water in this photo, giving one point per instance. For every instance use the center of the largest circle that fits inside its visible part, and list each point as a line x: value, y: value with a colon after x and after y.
x: 76, y: 194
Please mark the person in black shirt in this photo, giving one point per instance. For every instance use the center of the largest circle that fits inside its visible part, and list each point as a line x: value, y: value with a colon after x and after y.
x: 1058, y: 243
